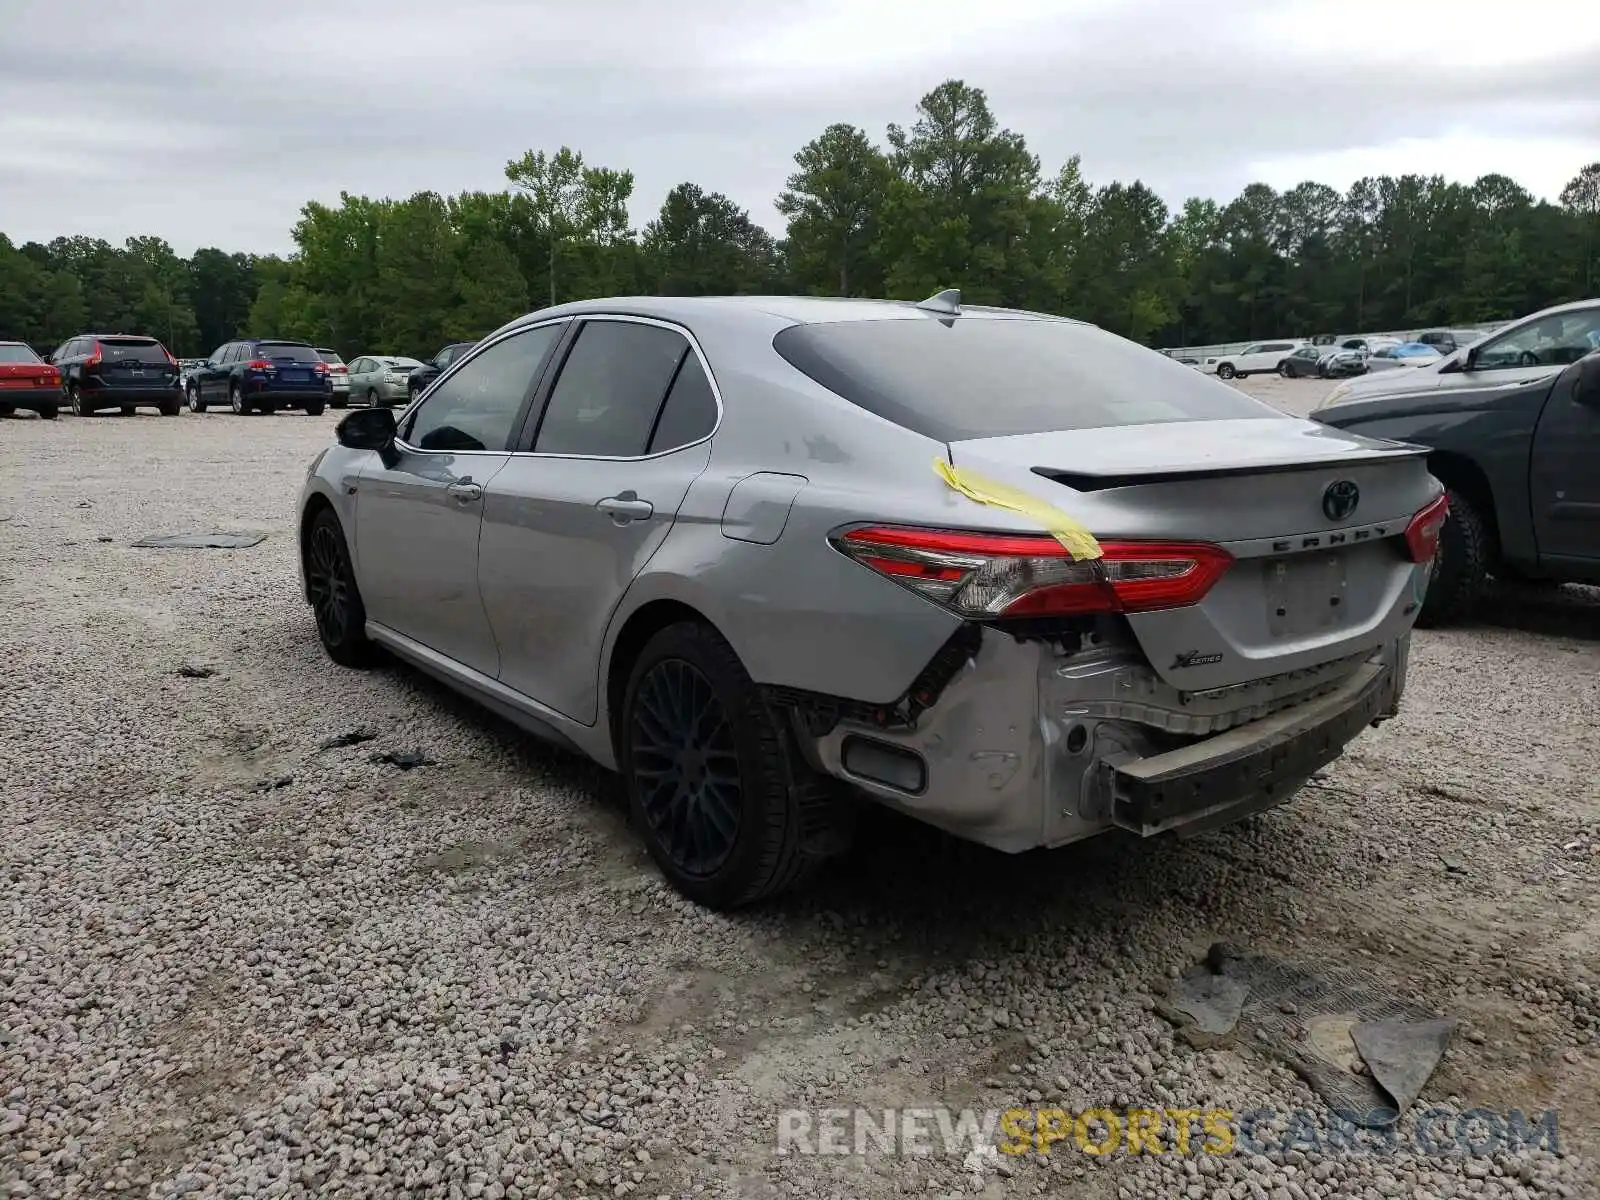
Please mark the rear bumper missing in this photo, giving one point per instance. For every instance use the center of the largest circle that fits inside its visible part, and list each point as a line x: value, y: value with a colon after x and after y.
x: 1027, y: 747
x: 1248, y: 769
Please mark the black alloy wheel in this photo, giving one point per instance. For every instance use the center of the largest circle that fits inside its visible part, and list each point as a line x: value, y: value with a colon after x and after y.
x: 335, y: 599
x: 687, y: 767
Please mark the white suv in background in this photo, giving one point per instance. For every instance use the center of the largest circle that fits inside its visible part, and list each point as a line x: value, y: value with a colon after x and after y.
x: 1254, y: 360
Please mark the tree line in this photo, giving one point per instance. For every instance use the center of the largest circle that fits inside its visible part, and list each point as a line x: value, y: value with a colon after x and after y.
x: 952, y: 200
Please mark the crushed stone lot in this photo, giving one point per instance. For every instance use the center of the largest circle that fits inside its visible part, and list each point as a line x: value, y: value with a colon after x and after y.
x: 236, y: 961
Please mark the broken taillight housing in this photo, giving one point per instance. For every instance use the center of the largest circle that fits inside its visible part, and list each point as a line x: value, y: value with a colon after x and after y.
x: 983, y: 575
x: 1422, y: 534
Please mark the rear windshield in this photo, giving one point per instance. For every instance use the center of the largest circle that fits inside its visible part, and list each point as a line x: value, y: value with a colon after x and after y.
x: 141, y: 350
x: 976, y: 377
x: 18, y: 354
x: 289, y: 350
x: 331, y: 357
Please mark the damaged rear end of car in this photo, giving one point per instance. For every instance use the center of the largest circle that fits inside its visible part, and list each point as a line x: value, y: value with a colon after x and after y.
x: 1244, y: 614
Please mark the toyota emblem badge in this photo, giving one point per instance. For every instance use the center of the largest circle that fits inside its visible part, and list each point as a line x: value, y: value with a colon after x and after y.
x: 1339, y: 499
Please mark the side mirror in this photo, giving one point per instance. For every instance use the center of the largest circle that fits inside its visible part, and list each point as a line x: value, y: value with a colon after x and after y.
x: 367, y: 429
x: 1586, y: 388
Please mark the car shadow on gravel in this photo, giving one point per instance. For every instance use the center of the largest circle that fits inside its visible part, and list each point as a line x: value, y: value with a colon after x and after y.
x: 1571, y: 611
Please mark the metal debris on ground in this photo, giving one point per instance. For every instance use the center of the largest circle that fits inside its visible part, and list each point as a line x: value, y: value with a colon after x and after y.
x: 273, y: 784
x: 404, y: 759
x: 351, y: 737
x: 1364, y: 1050
x: 192, y: 670
x: 200, y: 541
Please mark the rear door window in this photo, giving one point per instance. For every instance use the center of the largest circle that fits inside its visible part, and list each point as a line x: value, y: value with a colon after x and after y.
x: 611, y: 388
x: 984, y: 377
x: 690, y: 412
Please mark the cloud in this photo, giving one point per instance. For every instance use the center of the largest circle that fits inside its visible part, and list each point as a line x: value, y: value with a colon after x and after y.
x: 211, y: 124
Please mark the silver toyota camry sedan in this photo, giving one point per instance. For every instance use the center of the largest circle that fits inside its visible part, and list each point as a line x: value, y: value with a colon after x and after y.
x: 770, y: 557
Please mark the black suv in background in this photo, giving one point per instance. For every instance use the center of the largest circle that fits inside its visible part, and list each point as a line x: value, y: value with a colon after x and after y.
x: 115, y: 370
x: 262, y: 375
x: 422, y: 376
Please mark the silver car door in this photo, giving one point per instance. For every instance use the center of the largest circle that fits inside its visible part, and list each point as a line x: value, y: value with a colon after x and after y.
x: 570, y: 523
x: 418, y: 510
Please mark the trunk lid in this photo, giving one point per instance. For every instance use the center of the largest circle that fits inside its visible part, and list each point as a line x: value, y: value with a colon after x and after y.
x: 1313, y: 580
x: 28, y: 375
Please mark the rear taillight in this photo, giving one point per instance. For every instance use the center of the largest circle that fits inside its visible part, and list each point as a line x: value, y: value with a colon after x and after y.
x: 172, y: 361
x: 94, y: 359
x: 259, y: 364
x: 1422, y: 534
x: 320, y: 368
x: 983, y: 575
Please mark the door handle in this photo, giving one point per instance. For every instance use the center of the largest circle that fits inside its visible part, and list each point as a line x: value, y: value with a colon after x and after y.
x: 465, y: 491
x: 626, y: 507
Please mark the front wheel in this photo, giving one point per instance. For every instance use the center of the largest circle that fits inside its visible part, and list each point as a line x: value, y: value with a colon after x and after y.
x: 1226, y: 371
x: 335, y: 598
x: 196, y: 405
x: 727, y: 807
x: 1285, y: 369
x: 1460, y: 567
x: 314, y: 409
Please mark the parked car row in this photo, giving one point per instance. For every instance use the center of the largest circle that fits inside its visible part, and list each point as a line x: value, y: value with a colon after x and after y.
x: 1334, y: 358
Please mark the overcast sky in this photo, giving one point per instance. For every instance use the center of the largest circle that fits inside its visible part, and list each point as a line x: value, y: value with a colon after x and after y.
x: 211, y: 123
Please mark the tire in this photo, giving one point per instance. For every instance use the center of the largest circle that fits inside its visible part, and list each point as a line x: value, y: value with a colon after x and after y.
x: 335, y: 599
x: 338, y: 401
x: 785, y: 818
x: 80, y: 407
x: 171, y: 409
x: 1226, y: 371
x: 196, y: 405
x: 1461, y: 569
x: 1285, y: 369
x: 128, y: 410
x: 237, y: 401
x: 7, y: 409
x: 372, y: 397
x: 47, y: 412
x: 314, y: 409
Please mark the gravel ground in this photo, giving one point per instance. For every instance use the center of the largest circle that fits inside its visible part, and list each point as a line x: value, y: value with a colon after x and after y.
x: 233, y: 963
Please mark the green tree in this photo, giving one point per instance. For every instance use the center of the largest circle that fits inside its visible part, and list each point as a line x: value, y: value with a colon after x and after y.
x: 704, y: 244
x: 1581, y: 198
x: 833, y: 204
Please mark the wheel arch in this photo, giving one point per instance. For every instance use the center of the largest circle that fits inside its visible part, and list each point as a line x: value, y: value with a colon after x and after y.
x: 316, y: 504
x: 1466, y: 478
x: 632, y: 636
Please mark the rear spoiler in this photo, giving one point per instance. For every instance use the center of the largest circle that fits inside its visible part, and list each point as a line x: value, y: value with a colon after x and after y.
x: 1088, y: 480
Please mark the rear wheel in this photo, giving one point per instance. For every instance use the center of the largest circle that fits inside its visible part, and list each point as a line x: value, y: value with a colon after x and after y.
x: 335, y: 599
x: 237, y: 401
x: 171, y: 409
x: 372, y: 397
x: 1461, y: 566
x: 1226, y: 371
x: 7, y: 409
x: 80, y: 406
x: 339, y: 401
x: 127, y: 410
x: 47, y: 412
x: 314, y: 409
x: 727, y: 807
x: 196, y: 405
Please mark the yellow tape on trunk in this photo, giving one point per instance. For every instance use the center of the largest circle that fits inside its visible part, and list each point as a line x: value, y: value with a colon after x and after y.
x: 1079, y: 542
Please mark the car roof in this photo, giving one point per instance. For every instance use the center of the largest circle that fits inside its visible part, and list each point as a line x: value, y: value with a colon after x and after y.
x: 795, y: 310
